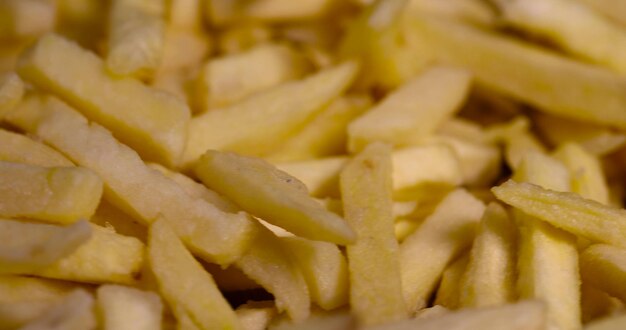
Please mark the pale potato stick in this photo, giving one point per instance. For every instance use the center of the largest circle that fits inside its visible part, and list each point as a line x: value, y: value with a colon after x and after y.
x: 52, y: 194
x: 464, y: 129
x: 286, y: 10
x: 523, y: 71
x: 490, y: 276
x: 196, y: 45
x: 326, y: 134
x: 187, y: 288
x: 126, y: 308
x: 260, y: 123
x: 11, y: 92
x: 152, y: 122
x: 18, y: 148
x: 334, y: 320
x: 231, y: 278
x: 231, y: 78
x: 320, y: 176
x: 261, y: 189
x: 604, y: 267
x: 472, y: 11
x: 366, y: 190
x: 574, y: 27
x: 136, y: 37
x: 16, y: 314
x: 256, y: 315
x: 26, y: 18
x: 595, y: 304
x: 185, y: 14
x: 132, y: 186
x: 109, y: 216
x: 75, y: 312
x: 412, y: 111
x: 586, y: 171
x: 324, y: 268
x: 31, y: 246
x: 524, y: 315
x: 569, y: 211
x: 441, y: 237
x: 448, y: 292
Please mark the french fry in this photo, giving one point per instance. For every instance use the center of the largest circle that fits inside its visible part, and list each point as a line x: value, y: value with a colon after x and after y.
x: 448, y: 293
x: 517, y: 139
x: 18, y: 148
x: 75, y: 312
x: 238, y: 38
x: 125, y: 308
x: 52, y: 194
x: 587, y: 176
x: 595, y: 304
x: 441, y: 237
x: 285, y: 10
x: 412, y: 111
x: 255, y: 315
x: 320, y: 176
x: 375, y: 289
x: 604, y: 267
x: 109, y: 216
x: 24, y: 19
x: 11, y: 92
x: 151, y: 122
x: 335, y: 320
x: 472, y: 11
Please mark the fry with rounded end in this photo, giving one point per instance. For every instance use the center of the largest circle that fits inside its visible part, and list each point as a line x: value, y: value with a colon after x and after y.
x: 126, y: 308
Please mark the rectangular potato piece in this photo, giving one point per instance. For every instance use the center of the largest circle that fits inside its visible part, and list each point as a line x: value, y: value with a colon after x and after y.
x: 11, y: 92
x: 375, y: 289
x: 26, y: 18
x: 152, y: 122
x: 604, y: 267
x: 256, y: 315
x: 586, y: 170
x: 425, y: 253
x: 449, y: 290
x: 75, y: 312
x: 18, y: 148
x: 320, y: 176
x: 125, y: 308
x: 53, y: 194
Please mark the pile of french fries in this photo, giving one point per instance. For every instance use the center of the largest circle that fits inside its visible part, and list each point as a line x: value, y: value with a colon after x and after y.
x: 312, y: 164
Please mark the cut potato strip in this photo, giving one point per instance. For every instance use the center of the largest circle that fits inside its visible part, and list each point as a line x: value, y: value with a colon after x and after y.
x: 11, y: 92
x: 273, y: 195
x: 109, y: 216
x: 132, y: 186
x: 188, y: 289
x: 583, y: 217
x: 31, y: 246
x: 425, y: 253
x: 258, y: 124
x: 136, y: 33
x: 26, y: 18
x: 126, y: 308
x: 586, y: 171
x: 472, y: 11
x: 448, y: 293
x: 527, y: 72
x: 75, y: 312
x: 152, y: 122
x: 413, y: 111
x: 490, y: 276
x: 18, y: 148
x: 335, y: 320
x: 52, y: 194
x: 320, y: 176
x: 375, y: 288
x: 256, y: 315
x: 286, y: 10
x: 604, y: 267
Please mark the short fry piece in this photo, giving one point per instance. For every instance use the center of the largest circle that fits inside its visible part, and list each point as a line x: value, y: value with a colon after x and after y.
x: 11, y: 92
x: 75, y: 312
x: 18, y: 148
x: 604, y: 267
x: 320, y: 176
x: 586, y: 171
x: 375, y: 292
x: 58, y: 194
x: 126, y: 308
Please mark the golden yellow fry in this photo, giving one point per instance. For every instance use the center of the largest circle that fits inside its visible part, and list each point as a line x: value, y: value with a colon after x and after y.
x: 366, y: 190
x: 125, y: 308
x: 18, y: 148
x: 604, y: 267
x: 75, y: 312
x: 586, y: 171
x: 449, y: 291
x: 52, y: 194
x: 11, y: 92
x: 152, y: 122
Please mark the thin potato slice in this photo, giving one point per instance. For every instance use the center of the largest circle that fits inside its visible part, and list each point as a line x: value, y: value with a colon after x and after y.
x: 375, y: 289
x: 604, y: 267
x: 52, y: 194
x: 586, y: 170
x: 126, y: 308
x: 75, y: 312
x: 132, y: 186
x: 30, y: 246
x: 258, y: 124
x: 185, y: 285
x: 18, y: 148
x: 273, y: 195
x: 11, y: 92
x: 425, y: 253
x: 569, y: 211
x: 152, y: 122
x: 109, y: 216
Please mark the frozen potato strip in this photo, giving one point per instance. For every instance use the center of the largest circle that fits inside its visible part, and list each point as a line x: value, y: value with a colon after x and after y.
x: 18, y: 148
x: 258, y: 124
x: 278, y: 198
x: 320, y: 176
x: 188, y: 289
x: 256, y: 315
x: 448, y: 292
x: 491, y: 272
x: 11, y: 92
x: 287, y: 10
x: 574, y: 27
x: 413, y: 111
x: 569, y: 211
x: 75, y: 312
x: 334, y: 320
x: 375, y: 288
x: 472, y: 11
x: 324, y: 268
x: 132, y: 186
x: 229, y: 79
x: 524, y: 315
x: 136, y: 33
x: 527, y: 72
x: 26, y: 18
x: 425, y: 253
x: 152, y: 122
x: 125, y: 308
x: 586, y: 171
x: 52, y: 194
x: 30, y: 246
x: 604, y: 267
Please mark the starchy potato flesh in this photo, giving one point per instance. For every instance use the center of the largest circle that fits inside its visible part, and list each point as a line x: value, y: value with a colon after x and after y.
x: 25, y: 18
x: 132, y: 186
x: 261, y: 122
x: 582, y: 217
x: 577, y: 29
x: 366, y: 192
x: 275, y: 196
x: 490, y: 276
x: 11, y: 92
x: 27, y: 246
x: 586, y: 171
x: 126, y: 308
x: 52, y: 194
x: 17, y: 148
x: 186, y: 287
x: 136, y: 32
x: 152, y: 122
x: 425, y: 253
x: 604, y: 267
x: 448, y: 292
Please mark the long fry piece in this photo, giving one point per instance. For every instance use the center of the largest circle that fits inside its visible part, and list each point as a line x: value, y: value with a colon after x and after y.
x: 604, y: 267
